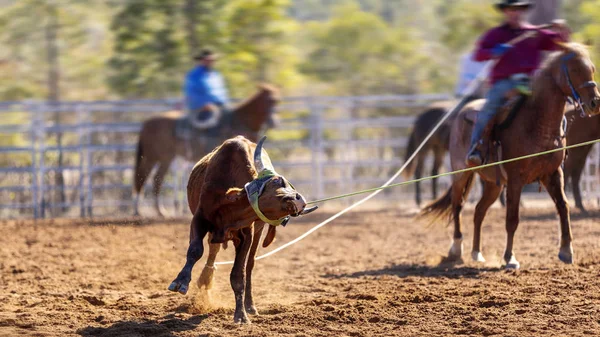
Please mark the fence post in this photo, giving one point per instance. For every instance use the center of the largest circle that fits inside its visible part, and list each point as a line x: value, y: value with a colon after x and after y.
x: 316, y: 133
x: 81, y: 127
x: 89, y: 167
x: 40, y: 109
x: 33, y: 130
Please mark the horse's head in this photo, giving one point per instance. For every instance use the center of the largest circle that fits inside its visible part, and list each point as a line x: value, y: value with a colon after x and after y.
x: 270, y: 97
x: 574, y: 73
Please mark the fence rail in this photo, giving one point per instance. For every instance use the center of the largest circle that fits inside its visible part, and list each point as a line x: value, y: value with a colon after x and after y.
x: 325, y: 145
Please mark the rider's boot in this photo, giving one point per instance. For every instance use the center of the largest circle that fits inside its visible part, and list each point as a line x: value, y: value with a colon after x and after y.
x: 475, y: 157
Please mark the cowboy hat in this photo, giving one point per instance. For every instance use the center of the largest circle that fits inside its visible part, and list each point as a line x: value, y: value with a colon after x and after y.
x: 501, y: 5
x: 205, y: 54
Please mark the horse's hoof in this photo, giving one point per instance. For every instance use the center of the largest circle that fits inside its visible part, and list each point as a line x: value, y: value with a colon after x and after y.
x: 512, y: 264
x: 456, y: 250
x: 566, y: 255
x: 179, y: 287
x: 241, y: 318
x: 477, y: 257
x: 251, y: 310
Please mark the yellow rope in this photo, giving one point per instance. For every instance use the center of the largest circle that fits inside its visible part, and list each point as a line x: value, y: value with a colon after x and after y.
x: 456, y: 172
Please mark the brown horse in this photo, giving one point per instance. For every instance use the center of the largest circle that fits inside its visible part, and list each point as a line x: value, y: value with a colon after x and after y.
x: 536, y: 128
x: 580, y: 130
x: 158, y: 143
x: 438, y: 144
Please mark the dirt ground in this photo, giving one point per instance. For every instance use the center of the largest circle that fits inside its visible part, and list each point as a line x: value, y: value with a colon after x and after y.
x: 370, y: 273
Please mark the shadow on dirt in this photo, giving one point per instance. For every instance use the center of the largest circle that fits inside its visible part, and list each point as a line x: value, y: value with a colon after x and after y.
x: 443, y: 270
x: 551, y: 215
x: 164, y: 328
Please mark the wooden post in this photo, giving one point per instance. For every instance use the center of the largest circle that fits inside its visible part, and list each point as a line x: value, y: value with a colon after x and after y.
x: 53, y: 82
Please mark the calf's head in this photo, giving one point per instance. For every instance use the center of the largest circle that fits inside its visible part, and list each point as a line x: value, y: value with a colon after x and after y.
x: 272, y: 196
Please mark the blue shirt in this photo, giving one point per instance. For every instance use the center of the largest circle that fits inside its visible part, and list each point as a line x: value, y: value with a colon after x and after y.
x: 204, y: 86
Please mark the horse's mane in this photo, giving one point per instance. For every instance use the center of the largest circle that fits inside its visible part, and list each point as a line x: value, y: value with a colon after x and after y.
x: 552, y: 62
x: 262, y: 89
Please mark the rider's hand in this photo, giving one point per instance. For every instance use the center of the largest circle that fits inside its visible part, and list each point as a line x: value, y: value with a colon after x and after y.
x: 500, y: 49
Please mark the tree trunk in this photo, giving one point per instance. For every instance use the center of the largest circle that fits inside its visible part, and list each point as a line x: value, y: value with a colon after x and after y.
x: 190, y: 13
x: 52, y: 27
x: 545, y: 11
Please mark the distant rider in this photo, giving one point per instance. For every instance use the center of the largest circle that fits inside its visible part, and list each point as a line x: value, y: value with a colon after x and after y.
x: 206, y: 96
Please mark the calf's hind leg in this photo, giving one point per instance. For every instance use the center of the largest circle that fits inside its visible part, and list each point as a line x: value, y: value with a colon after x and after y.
x: 249, y: 300
x: 238, y: 273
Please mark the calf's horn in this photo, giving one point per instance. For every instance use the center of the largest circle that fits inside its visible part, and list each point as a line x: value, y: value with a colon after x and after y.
x: 258, y: 164
x: 309, y: 210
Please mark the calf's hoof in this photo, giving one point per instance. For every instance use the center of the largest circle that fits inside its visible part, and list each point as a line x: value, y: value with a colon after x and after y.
x: 250, y: 309
x: 180, y: 285
x: 241, y: 317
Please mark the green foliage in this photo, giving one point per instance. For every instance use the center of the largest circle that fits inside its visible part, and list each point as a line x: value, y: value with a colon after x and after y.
x: 465, y: 21
x: 143, y: 48
x: 147, y: 49
x: 360, y: 53
x: 589, y: 12
x: 82, y: 38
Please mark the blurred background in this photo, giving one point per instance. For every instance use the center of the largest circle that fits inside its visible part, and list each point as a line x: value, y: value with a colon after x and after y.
x: 78, y: 78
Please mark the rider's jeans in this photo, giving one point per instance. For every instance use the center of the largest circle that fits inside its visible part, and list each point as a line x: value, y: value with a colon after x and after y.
x: 494, y: 100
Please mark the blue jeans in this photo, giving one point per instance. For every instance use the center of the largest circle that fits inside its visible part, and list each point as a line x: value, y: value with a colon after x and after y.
x: 494, y: 101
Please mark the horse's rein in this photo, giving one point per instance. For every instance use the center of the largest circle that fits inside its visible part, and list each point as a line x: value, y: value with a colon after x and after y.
x: 574, y: 94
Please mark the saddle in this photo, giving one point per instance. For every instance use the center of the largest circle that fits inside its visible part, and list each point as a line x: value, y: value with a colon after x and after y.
x: 202, y: 124
x: 491, y: 149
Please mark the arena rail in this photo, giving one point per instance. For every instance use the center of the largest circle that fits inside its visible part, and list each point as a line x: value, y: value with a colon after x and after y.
x: 339, y: 144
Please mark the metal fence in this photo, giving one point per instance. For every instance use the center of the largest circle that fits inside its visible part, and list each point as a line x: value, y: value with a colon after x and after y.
x: 325, y: 145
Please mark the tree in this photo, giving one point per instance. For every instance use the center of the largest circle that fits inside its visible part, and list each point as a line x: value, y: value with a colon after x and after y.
x: 359, y: 53
x: 147, y: 55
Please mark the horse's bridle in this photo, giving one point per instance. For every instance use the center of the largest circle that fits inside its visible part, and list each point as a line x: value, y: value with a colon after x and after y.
x: 576, y: 98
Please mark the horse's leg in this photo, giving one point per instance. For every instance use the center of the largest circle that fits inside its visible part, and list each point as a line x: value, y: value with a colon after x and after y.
x: 238, y: 273
x: 577, y: 170
x: 205, y: 280
x: 194, y: 253
x: 503, y: 197
x: 459, y: 189
x: 437, y: 164
x: 249, y: 300
x: 555, y: 186
x: 418, y: 173
x: 489, y: 196
x: 159, y: 178
x: 513, y: 199
x: 142, y: 171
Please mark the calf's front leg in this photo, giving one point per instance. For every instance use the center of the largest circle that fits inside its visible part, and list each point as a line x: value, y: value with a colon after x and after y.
x: 199, y: 228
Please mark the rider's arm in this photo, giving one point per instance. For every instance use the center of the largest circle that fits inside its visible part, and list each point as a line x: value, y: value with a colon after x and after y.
x: 486, y: 45
x: 218, y: 90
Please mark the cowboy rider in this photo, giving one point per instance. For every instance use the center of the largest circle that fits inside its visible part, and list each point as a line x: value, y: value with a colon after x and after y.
x: 514, y: 62
x: 205, y: 88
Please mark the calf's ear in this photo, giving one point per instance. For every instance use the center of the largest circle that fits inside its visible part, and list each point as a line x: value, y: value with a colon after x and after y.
x: 234, y: 194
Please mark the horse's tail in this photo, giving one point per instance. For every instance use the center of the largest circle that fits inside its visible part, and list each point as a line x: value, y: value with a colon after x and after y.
x: 442, y: 207
x: 137, y: 174
x: 410, y: 149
